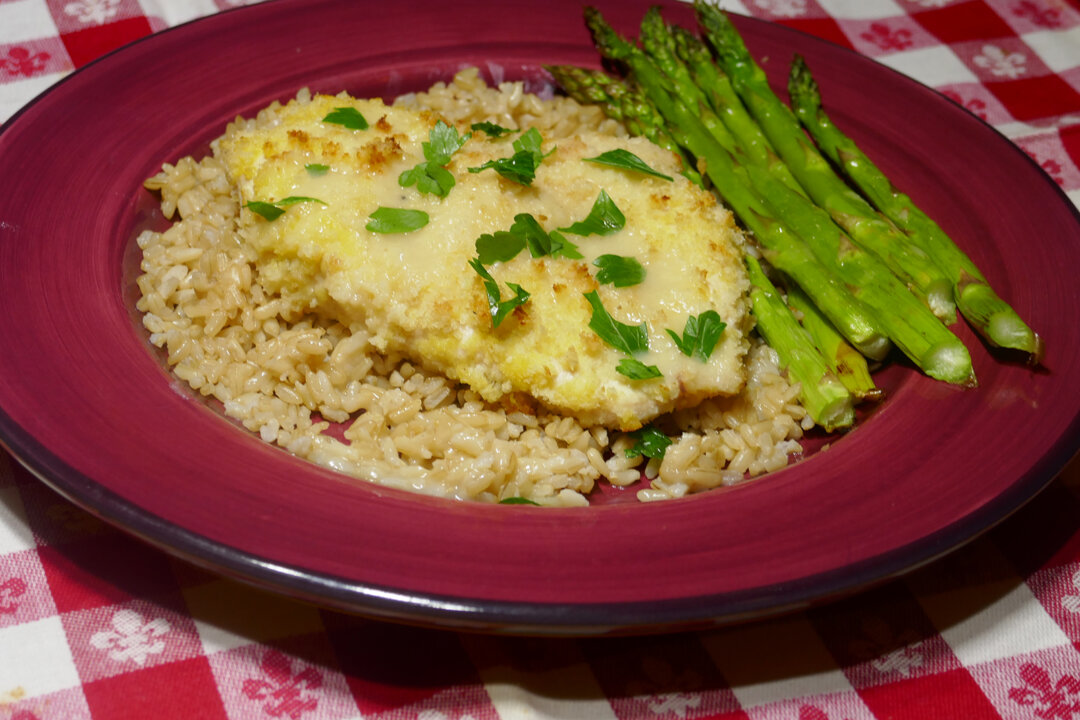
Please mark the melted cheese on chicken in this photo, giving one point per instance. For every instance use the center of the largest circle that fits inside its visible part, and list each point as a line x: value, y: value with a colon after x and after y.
x: 415, y: 294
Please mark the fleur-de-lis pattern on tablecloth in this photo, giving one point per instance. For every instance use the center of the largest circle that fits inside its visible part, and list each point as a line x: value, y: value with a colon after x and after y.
x: 132, y: 637
x: 93, y: 12
x: 1000, y: 62
x: 20, y: 61
x: 1049, y: 698
x: 782, y: 8
x: 10, y: 591
x: 887, y: 38
x: 283, y: 692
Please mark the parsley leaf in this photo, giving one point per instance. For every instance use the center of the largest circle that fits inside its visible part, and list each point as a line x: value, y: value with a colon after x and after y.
x: 273, y: 210
x: 396, y: 220
x: 637, y: 370
x: 504, y: 245
x: 317, y: 169
x: 517, y: 501
x: 430, y: 176
x: 490, y: 129
x: 498, y: 307
x: 521, y: 166
x: 540, y: 242
x: 630, y: 339
x: 348, y: 117
x: 618, y: 270
x: 605, y: 218
x: 500, y: 246
x: 268, y: 211
x: 649, y: 442
x: 700, y: 335
x: 626, y: 160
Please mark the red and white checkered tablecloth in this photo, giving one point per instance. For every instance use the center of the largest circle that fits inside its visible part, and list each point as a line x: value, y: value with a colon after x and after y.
x: 95, y: 624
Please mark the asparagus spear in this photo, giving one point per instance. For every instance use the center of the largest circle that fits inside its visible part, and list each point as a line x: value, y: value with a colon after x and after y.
x: 823, y: 395
x: 623, y: 102
x: 853, y: 319
x: 725, y: 102
x: 846, y: 362
x: 863, y: 223
x: 908, y: 322
x: 991, y: 316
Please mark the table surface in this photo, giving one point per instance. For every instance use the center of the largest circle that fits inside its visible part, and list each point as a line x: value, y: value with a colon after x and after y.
x: 95, y: 624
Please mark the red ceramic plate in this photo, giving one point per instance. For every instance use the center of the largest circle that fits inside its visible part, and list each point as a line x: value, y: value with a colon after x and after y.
x: 89, y: 408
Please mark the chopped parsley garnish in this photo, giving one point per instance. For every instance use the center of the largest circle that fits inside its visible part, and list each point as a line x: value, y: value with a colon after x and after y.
x: 396, y: 220
x: 317, y: 169
x: 630, y: 339
x: 348, y: 117
x: 521, y: 166
x: 273, y: 210
x: 604, y: 218
x: 431, y: 176
x: 498, y: 307
x: 618, y: 270
x: 637, y: 370
x: 526, y: 232
x: 700, y: 335
x: 491, y: 129
x: 626, y: 160
x: 500, y: 246
x: 517, y: 501
x: 648, y: 441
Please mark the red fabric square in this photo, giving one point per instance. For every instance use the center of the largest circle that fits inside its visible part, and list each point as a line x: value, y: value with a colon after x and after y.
x: 823, y: 27
x: 661, y: 676
x: 387, y: 670
x: 89, y: 44
x: 179, y: 690
x: 953, y: 694
x: 963, y: 21
x: 107, y: 570
x: 1035, y: 98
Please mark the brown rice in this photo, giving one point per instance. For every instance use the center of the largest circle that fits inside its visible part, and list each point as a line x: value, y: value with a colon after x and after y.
x: 290, y: 377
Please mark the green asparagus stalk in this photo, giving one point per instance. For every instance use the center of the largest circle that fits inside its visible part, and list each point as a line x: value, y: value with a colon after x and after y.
x: 785, y: 250
x: 916, y: 331
x: 988, y: 314
x: 620, y: 101
x: 725, y: 102
x: 862, y: 222
x: 829, y: 403
x: 847, y: 363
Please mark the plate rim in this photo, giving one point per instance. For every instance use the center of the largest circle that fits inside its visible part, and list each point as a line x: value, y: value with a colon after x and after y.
x: 499, y: 614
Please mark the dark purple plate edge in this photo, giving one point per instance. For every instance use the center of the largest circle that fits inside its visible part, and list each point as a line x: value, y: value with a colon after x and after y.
x: 584, y: 619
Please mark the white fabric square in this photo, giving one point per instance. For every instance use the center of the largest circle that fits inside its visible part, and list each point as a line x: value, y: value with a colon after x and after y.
x: 176, y: 13
x: 1014, y: 624
x: 860, y: 9
x: 19, y: 93
x: 15, y: 534
x: 933, y: 66
x: 1057, y: 48
x: 775, y: 661
x: 35, y: 656
x: 26, y: 20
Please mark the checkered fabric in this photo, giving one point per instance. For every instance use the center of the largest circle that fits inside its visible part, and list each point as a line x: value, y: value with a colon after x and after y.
x: 95, y: 624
